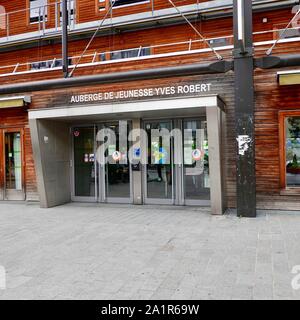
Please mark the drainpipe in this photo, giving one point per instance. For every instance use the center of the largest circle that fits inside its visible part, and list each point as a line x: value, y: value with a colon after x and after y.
x: 269, y: 62
x: 116, y: 77
x: 244, y: 108
x: 65, y: 57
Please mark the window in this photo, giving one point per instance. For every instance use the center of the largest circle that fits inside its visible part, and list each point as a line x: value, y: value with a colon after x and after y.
x: 40, y: 65
x: 219, y: 42
x: 38, y: 10
x: 289, y: 33
x: 282, y: 33
x: 130, y: 53
x: 13, y: 161
x: 71, y: 12
x: 119, y: 3
x: 290, y: 149
x: 55, y: 63
x: 101, y: 5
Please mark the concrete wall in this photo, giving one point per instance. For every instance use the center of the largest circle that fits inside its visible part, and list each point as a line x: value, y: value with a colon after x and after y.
x: 51, y: 150
x: 214, y: 131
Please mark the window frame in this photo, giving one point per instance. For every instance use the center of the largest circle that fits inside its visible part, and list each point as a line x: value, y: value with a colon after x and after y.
x: 131, y: 4
x: 29, y: 13
x: 70, y: 14
x: 107, y: 2
x: 2, y: 144
x: 280, y: 27
x: 282, y: 147
x: 121, y: 51
x: 98, y: 6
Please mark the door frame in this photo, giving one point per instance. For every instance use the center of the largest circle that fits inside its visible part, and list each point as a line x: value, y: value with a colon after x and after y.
x: 72, y: 160
x: 12, y: 194
x: 147, y: 200
x: 100, y: 187
x: 2, y: 167
x: 178, y: 186
x: 191, y: 202
x: 101, y: 171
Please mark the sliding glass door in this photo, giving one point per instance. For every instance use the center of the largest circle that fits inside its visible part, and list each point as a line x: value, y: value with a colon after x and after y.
x: 11, y: 181
x: 195, y: 162
x: 115, y: 173
x: 159, y: 182
x: 101, y: 170
x: 84, y: 163
x: 177, y: 169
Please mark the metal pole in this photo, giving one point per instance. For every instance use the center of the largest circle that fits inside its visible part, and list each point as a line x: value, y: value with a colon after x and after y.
x: 244, y: 108
x: 65, y: 58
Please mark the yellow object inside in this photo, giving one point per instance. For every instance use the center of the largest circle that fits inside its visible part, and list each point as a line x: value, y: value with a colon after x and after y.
x: 289, y: 79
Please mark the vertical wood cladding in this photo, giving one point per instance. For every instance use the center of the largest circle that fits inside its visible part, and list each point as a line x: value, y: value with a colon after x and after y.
x: 18, y: 118
x: 270, y: 99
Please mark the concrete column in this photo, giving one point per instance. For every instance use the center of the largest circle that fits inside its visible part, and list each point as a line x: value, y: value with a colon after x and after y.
x: 136, y: 175
x: 214, y: 131
x: 51, y: 145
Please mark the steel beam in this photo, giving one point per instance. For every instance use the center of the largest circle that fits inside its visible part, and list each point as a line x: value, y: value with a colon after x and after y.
x: 244, y: 109
x: 65, y: 56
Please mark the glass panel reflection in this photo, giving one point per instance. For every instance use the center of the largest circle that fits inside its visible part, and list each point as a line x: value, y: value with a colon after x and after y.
x: 159, y: 167
x: 292, y: 153
x: 117, y: 170
x: 13, y: 161
x: 196, y: 160
x: 84, y: 161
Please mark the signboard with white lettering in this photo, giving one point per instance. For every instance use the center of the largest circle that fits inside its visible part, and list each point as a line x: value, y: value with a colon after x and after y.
x: 141, y: 93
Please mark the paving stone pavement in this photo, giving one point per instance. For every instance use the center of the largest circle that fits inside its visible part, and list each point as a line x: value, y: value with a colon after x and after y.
x: 84, y: 251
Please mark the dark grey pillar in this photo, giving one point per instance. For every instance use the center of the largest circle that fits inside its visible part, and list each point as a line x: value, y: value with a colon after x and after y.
x: 244, y: 108
x: 65, y: 58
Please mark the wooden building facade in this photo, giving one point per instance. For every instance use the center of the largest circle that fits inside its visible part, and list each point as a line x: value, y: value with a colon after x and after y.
x: 62, y: 124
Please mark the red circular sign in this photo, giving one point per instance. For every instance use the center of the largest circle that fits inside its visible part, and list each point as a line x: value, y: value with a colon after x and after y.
x: 76, y: 133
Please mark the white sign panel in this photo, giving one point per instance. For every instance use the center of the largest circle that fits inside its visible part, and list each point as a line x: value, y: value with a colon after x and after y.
x: 243, y: 143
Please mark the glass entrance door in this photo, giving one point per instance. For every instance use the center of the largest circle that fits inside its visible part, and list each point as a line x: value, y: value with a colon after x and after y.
x: 114, y: 171
x: 13, y: 165
x: 177, y: 169
x: 2, y: 169
x: 159, y: 171
x: 85, y: 188
x: 101, y: 168
x: 195, y: 162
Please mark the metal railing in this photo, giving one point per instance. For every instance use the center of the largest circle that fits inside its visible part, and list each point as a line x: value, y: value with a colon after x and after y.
x: 17, y: 26
x: 47, y: 18
x: 190, y: 46
x: 50, y: 23
x: 115, y: 56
